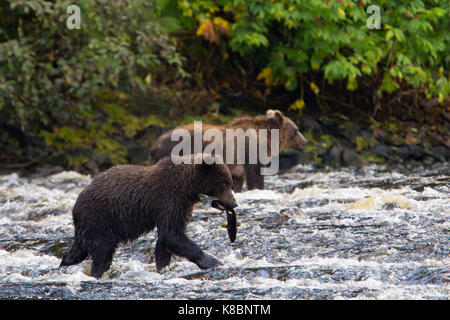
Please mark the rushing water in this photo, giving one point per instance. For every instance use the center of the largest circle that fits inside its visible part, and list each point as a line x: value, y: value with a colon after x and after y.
x: 373, y: 233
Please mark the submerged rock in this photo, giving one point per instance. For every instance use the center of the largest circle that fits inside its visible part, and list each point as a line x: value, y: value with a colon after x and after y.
x: 379, y: 201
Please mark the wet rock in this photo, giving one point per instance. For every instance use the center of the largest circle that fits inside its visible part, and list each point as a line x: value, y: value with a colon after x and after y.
x: 149, y: 133
x: 46, y: 170
x: 350, y: 130
x: 405, y: 152
x: 378, y: 201
x: 66, y: 180
x: 410, y: 152
x: 332, y: 156
x: 103, y: 161
x: 274, y: 221
x: 138, y: 154
x: 383, y: 150
x: 92, y: 167
x: 307, y: 123
x: 59, y: 160
x: 67, y: 177
x: 288, y: 159
x: 44, y: 212
x: 339, y: 156
x: 440, y: 153
x: 350, y: 158
x: 379, y: 134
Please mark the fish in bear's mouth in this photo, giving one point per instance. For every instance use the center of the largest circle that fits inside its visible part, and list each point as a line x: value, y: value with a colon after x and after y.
x: 215, y: 202
x: 218, y: 205
x: 231, y: 214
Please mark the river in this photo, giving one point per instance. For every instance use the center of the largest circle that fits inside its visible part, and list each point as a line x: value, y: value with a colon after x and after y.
x: 380, y: 232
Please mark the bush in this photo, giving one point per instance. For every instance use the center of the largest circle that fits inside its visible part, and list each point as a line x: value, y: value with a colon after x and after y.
x: 291, y: 38
x: 50, y: 75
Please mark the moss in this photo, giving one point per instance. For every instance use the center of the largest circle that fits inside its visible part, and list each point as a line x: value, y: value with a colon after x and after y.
x: 374, y: 158
x: 77, y: 160
x: 215, y: 118
x: 309, y: 135
x: 111, y: 147
x: 154, y: 119
x: 365, y: 143
x: 326, y: 140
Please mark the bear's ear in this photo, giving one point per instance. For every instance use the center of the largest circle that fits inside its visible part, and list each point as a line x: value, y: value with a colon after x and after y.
x: 210, y: 159
x: 275, y: 115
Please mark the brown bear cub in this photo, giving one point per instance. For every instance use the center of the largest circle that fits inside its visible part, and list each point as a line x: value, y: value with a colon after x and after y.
x: 289, y: 137
x: 127, y: 201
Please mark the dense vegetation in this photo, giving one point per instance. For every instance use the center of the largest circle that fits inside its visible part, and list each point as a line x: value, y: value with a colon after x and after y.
x: 137, y: 65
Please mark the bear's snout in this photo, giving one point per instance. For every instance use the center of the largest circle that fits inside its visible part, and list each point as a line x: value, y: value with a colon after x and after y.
x: 226, y: 201
x: 300, y: 141
x: 232, y: 205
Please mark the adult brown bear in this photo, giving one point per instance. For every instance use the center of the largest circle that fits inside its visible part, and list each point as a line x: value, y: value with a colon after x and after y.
x: 289, y: 136
x: 125, y: 202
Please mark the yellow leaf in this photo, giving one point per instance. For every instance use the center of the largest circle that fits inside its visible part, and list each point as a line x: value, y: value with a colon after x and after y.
x: 267, y: 75
x: 298, y: 105
x: 206, y: 29
x: 148, y: 78
x: 202, y: 28
x: 223, y: 25
x: 341, y: 13
x: 314, y: 87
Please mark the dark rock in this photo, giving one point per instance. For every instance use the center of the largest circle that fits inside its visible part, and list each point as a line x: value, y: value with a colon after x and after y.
x: 405, y: 152
x: 340, y: 156
x: 92, y: 167
x: 383, y: 150
x: 410, y: 152
x: 350, y: 158
x: 150, y: 133
x: 59, y: 160
x: 138, y: 154
x: 330, y: 124
x: 307, y: 123
x: 440, y: 153
x: 428, y: 160
x: 350, y: 130
x: 332, y: 156
x: 46, y: 170
x: 288, y: 159
x: 274, y: 221
x: 103, y: 161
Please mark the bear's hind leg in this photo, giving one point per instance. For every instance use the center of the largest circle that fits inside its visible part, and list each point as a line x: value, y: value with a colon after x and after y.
x: 76, y: 255
x: 102, y: 257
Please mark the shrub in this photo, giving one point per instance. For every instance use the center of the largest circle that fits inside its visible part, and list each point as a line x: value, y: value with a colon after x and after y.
x: 291, y: 38
x: 49, y: 74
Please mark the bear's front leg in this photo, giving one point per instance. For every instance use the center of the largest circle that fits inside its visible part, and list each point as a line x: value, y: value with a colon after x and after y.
x: 253, y: 176
x: 162, y: 256
x: 179, y: 244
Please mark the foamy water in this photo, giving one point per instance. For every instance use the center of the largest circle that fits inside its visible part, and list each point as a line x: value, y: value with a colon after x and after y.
x: 374, y: 233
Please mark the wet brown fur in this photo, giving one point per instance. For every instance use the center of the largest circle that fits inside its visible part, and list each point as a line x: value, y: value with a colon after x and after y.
x: 125, y: 202
x: 289, y: 136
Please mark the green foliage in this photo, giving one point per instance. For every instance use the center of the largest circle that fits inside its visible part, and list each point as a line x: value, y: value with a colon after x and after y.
x: 49, y: 74
x: 76, y: 89
x: 292, y: 37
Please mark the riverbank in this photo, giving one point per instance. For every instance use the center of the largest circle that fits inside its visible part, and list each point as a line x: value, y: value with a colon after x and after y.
x: 334, y: 141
